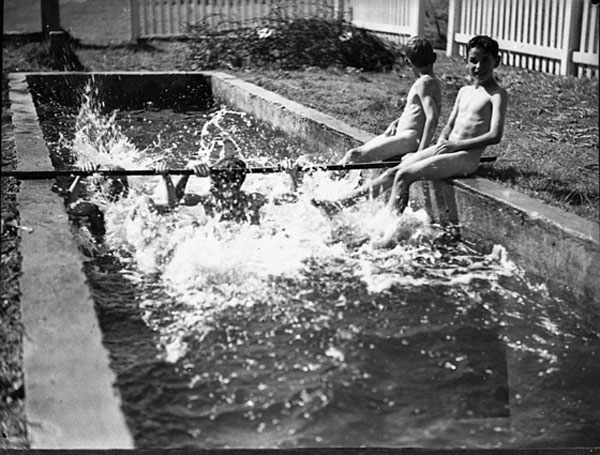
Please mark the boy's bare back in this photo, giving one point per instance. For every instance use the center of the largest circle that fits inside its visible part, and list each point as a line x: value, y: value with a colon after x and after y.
x: 426, y: 89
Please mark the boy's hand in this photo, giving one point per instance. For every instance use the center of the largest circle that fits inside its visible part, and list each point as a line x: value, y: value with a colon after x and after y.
x: 351, y: 156
x: 161, y: 168
x: 293, y: 169
x: 200, y: 169
x: 89, y: 166
x: 391, y: 129
x: 444, y: 146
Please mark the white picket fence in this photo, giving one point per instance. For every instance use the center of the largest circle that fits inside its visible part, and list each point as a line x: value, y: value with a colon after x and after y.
x: 554, y: 36
x: 170, y: 18
x: 396, y: 20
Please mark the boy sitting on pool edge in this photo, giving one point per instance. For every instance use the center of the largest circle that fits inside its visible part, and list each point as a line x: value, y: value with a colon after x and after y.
x: 476, y: 121
x: 414, y: 129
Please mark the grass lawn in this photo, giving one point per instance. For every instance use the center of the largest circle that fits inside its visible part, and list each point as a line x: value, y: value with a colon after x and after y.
x: 549, y: 151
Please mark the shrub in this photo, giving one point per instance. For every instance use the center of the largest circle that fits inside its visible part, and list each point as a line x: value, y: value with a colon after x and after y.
x: 288, y: 44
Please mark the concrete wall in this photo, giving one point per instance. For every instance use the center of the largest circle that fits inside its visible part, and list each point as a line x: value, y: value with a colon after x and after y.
x: 70, y: 402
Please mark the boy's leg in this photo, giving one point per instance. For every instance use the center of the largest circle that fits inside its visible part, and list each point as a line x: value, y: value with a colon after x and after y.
x: 383, y: 148
x: 430, y: 167
x: 374, y: 187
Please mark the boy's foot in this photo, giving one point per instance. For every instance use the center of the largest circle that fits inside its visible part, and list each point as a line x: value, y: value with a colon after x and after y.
x: 330, y: 208
x: 338, y: 175
x: 402, y: 202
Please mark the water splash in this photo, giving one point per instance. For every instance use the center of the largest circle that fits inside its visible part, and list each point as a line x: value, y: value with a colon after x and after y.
x: 209, y: 266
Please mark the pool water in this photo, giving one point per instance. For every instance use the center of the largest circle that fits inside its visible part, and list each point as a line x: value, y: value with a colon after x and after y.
x: 304, y: 331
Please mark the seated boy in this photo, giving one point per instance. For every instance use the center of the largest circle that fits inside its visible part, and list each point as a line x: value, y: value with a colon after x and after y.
x: 476, y: 121
x: 414, y: 129
x: 225, y: 197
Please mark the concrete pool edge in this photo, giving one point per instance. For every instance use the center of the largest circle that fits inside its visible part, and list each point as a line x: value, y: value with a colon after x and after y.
x: 543, y: 240
x: 66, y: 367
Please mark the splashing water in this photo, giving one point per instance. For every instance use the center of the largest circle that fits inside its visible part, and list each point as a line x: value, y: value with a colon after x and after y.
x: 208, y: 265
x: 268, y: 327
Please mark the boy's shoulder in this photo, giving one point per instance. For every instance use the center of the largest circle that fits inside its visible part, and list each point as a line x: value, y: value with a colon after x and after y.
x: 426, y: 83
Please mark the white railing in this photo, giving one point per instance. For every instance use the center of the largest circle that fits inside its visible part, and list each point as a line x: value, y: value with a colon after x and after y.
x: 554, y: 36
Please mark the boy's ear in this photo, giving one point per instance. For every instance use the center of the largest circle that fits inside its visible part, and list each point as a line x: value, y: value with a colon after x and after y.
x: 434, y: 57
x: 497, y: 61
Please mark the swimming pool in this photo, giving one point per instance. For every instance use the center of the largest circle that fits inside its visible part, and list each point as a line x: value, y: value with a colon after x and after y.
x: 302, y: 332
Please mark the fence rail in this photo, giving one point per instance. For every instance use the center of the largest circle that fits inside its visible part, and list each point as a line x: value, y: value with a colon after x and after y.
x: 554, y: 36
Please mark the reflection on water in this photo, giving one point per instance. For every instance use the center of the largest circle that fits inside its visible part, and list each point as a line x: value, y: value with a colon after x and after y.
x: 302, y: 331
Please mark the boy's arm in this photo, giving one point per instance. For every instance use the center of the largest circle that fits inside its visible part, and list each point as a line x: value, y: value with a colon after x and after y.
x: 172, y: 198
x: 180, y: 187
x: 431, y: 114
x: 499, y: 105
x: 445, y: 134
x: 75, y: 189
x: 200, y: 170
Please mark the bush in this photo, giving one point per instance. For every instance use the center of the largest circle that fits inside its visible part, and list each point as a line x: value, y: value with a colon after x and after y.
x: 289, y: 44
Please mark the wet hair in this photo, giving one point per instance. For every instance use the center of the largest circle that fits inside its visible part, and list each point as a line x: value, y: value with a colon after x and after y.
x: 97, y: 226
x: 114, y: 187
x: 485, y: 43
x: 420, y: 52
x: 230, y: 170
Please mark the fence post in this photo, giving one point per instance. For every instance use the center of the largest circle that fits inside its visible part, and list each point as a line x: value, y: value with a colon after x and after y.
x: 50, y: 17
x: 419, y: 15
x: 454, y: 12
x: 340, y: 11
x: 571, y: 35
x: 134, y: 14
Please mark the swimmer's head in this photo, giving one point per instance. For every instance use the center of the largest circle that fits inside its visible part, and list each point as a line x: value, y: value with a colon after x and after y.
x: 228, y: 173
x: 419, y: 51
x: 114, y: 187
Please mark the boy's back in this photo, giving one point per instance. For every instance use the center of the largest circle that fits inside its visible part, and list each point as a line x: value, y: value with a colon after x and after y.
x: 426, y: 87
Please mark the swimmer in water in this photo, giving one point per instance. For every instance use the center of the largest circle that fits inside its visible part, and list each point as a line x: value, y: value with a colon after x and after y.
x: 81, y: 211
x: 225, y: 199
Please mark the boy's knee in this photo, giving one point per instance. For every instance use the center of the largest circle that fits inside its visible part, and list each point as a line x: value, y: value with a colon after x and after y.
x: 353, y: 155
x: 402, y: 176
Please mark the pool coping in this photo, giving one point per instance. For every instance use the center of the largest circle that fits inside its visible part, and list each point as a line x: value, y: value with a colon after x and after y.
x: 70, y: 402
x: 540, y: 238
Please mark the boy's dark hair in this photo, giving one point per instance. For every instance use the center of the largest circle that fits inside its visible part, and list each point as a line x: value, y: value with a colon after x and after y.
x: 420, y: 51
x: 485, y: 43
x: 230, y: 169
